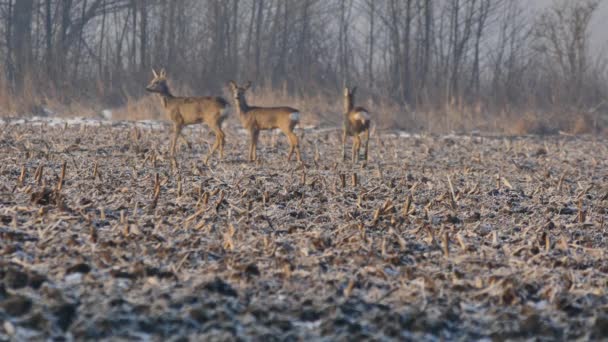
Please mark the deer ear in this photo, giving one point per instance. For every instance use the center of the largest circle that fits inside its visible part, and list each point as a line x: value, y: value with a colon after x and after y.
x: 248, y: 85
x: 232, y: 85
x: 346, y: 91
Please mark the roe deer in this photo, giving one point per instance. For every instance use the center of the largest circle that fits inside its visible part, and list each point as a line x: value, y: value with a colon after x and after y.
x: 356, y: 121
x: 185, y: 111
x: 255, y: 119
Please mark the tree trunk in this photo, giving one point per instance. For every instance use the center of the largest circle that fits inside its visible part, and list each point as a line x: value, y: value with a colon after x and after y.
x: 22, y: 40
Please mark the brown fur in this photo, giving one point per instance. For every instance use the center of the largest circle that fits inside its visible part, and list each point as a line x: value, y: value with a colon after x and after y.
x: 185, y: 111
x: 255, y: 119
x: 356, y: 121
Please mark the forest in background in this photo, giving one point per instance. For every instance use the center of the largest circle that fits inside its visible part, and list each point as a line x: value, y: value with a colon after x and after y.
x: 430, y: 65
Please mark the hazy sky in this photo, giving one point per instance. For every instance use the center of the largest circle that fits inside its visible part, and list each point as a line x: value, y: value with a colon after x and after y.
x: 599, y: 26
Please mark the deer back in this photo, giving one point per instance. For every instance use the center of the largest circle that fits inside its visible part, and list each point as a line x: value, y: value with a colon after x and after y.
x: 191, y: 110
x: 357, y: 120
x: 284, y: 118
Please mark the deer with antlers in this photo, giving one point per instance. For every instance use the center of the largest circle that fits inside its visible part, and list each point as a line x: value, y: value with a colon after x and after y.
x: 183, y: 111
x: 255, y: 119
x: 356, y: 121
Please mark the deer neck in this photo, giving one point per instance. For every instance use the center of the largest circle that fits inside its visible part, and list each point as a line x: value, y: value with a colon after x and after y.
x: 348, y: 105
x: 242, y: 107
x: 165, y: 95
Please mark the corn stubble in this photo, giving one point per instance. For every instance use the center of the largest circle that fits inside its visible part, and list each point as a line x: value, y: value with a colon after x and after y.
x: 436, y: 238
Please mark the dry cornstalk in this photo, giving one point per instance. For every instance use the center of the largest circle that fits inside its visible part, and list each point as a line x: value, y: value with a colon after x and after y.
x: 461, y: 242
x: 452, y: 194
x: 349, y: 288
x: 179, y: 185
x: 445, y: 242
x: 195, y: 215
x: 400, y: 240
x: 383, y: 247
x: 93, y: 233
x: 376, y: 216
x: 584, y: 192
x: 354, y: 180
x: 219, y: 201
x: 581, y: 213
x: 431, y: 234
x: 265, y: 197
x: 560, y: 182
x: 407, y: 205
x: 22, y: 175
x: 156, y: 185
x: 95, y: 171
x: 473, y: 190
x: 228, y: 238
x: 38, y: 174
x: 506, y: 183
x: 61, y: 176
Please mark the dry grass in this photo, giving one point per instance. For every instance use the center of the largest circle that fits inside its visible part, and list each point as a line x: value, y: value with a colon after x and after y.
x: 103, y: 236
x: 145, y: 108
x: 322, y: 110
x: 583, y: 124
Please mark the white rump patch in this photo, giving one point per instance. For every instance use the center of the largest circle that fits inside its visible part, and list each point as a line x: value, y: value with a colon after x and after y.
x: 295, y: 116
x: 362, y: 116
x: 224, y: 112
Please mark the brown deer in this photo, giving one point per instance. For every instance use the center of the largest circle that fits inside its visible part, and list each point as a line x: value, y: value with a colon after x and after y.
x: 356, y: 121
x: 255, y: 119
x: 185, y: 111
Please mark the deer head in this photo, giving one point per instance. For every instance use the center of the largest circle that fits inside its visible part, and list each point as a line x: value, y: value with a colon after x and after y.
x: 238, y: 92
x: 349, y: 98
x: 158, y: 83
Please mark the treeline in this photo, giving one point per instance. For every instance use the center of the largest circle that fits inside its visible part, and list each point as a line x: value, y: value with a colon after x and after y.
x: 419, y: 55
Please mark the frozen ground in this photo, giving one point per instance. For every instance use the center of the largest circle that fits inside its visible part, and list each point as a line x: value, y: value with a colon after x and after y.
x: 439, y: 238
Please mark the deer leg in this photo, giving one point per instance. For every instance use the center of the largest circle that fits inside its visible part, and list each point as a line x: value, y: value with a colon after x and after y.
x: 366, y: 143
x: 297, y: 145
x: 290, y: 153
x: 253, y: 145
x: 177, y: 131
x: 183, y: 138
x: 219, y: 137
x: 214, y: 147
x: 343, y: 144
x: 289, y: 136
x: 222, y: 139
x: 356, y: 147
x: 293, y: 145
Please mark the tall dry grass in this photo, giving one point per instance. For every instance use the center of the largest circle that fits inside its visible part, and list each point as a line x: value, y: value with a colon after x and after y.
x: 322, y: 109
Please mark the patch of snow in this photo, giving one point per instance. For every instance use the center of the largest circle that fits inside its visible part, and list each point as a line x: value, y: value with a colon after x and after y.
x: 47, y: 112
x: 308, y: 325
x: 106, y: 114
x: 81, y: 121
x: 73, y: 278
